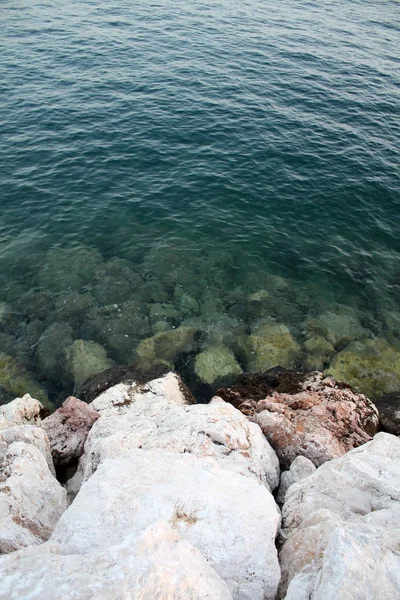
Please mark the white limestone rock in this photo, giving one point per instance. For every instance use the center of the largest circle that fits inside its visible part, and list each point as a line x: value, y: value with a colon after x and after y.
x: 155, y: 564
x: 28, y: 434
x: 342, y: 527
x: 31, y: 499
x: 21, y: 411
x: 300, y: 468
x: 156, y: 416
x: 232, y: 520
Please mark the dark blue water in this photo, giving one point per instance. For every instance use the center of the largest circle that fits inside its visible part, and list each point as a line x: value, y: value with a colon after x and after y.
x: 208, y: 144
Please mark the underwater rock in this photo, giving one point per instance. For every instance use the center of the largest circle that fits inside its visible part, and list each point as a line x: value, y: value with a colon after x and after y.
x: 340, y: 325
x: 167, y: 346
x: 313, y: 417
x: 117, y: 282
x: 17, y: 381
x: 162, y: 312
x: 319, y: 352
x: 70, y: 268
x: 371, y: 366
x: 34, y: 305
x: 84, y: 359
x: 187, y: 305
x: 342, y: 527
x: 300, y: 468
x: 67, y: 429
x: 50, y: 352
x: 119, y: 327
x: 157, y: 563
x: 389, y: 412
x: 271, y: 345
x: 3, y: 311
x: 259, y: 303
x: 31, y: 499
x: 73, y: 307
x: 215, y: 364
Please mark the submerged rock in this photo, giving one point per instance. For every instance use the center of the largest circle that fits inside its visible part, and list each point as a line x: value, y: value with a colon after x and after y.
x: 17, y: 381
x: 69, y: 268
x: 389, y: 412
x: 85, y: 359
x: 271, y: 345
x: 340, y: 325
x: 320, y: 351
x: 167, y: 346
x: 216, y: 364
x: 50, y: 352
x: 67, y: 429
x: 342, y: 527
x: 309, y: 415
x: 372, y: 366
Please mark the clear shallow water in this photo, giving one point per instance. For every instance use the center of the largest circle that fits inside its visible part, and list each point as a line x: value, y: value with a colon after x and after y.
x: 209, y: 144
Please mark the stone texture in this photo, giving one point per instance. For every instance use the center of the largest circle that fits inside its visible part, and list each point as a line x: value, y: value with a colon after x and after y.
x: 85, y: 359
x: 28, y: 434
x: 16, y: 380
x: 22, y: 411
x: 371, y: 366
x: 389, y: 412
x: 156, y: 416
x: 342, y: 527
x: 31, y: 499
x: 316, y: 417
x: 67, y: 429
x: 231, y: 519
x: 216, y: 364
x: 300, y: 468
x: 155, y: 564
x: 271, y: 345
x: 340, y: 325
x: 166, y: 346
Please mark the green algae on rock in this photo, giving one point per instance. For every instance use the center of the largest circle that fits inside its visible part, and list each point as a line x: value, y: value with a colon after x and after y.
x: 167, y: 345
x: 17, y: 382
x: 372, y: 366
x: 272, y: 345
x: 85, y: 359
x: 215, y: 364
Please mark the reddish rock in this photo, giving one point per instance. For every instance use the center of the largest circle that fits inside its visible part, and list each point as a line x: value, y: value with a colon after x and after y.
x: 67, y: 429
x: 305, y: 414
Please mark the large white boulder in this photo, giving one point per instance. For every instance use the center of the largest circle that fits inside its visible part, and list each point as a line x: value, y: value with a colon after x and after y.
x: 342, y: 526
x: 232, y: 520
x: 31, y: 499
x: 156, y: 416
x: 155, y: 564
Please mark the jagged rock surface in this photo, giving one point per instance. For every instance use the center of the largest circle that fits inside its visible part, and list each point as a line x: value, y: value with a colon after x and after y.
x: 309, y: 415
x: 342, y: 527
x: 156, y: 416
x: 156, y: 564
x: 67, y: 429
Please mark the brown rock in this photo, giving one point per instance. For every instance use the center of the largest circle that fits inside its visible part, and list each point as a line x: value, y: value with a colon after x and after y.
x: 67, y: 429
x: 305, y: 415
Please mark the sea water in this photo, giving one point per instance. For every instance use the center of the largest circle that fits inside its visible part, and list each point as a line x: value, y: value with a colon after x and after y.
x: 162, y: 163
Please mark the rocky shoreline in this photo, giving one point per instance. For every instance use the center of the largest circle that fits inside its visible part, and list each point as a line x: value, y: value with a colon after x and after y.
x: 281, y: 487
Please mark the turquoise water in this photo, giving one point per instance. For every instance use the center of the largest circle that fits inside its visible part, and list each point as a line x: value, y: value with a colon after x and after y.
x: 208, y: 146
